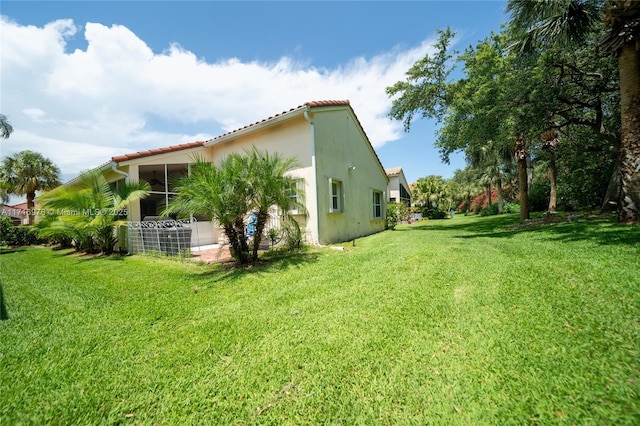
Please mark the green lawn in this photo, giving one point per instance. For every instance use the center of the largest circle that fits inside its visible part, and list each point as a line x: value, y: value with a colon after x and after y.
x: 465, y: 321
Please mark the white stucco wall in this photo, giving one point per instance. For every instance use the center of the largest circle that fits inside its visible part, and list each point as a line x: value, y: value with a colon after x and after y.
x: 290, y: 138
x: 328, y: 144
x: 394, y: 186
x: 340, y: 145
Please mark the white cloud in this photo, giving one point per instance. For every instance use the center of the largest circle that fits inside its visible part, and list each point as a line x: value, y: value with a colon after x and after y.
x: 80, y: 108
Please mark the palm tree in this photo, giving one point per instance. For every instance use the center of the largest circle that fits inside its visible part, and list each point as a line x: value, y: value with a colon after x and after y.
x: 5, y: 189
x: 521, y: 154
x: 25, y: 173
x: 269, y: 188
x: 5, y: 127
x: 549, y: 143
x: 220, y: 192
x: 90, y: 210
x: 466, y: 184
x: 567, y: 22
x: 493, y: 158
x: 429, y: 190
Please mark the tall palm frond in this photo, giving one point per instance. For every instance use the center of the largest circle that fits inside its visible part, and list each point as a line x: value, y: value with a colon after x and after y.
x: 270, y: 188
x: 91, y: 207
x: 220, y: 192
x: 545, y: 22
x: 5, y: 127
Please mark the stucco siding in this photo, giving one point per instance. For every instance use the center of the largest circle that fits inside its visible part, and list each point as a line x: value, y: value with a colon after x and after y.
x: 329, y: 146
x: 343, y: 154
x: 290, y: 138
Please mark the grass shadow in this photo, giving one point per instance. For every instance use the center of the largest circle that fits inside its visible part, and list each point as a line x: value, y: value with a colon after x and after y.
x: 11, y: 250
x: 599, y: 229
x: 4, y: 314
x: 485, y: 225
x: 603, y: 233
x: 109, y: 257
x: 269, y: 262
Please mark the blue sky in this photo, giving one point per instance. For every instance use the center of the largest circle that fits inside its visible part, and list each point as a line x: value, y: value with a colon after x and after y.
x: 83, y: 81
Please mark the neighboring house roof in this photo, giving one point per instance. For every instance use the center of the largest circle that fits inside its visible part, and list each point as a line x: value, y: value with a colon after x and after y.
x: 16, y: 211
x: 20, y: 208
x: 393, y: 172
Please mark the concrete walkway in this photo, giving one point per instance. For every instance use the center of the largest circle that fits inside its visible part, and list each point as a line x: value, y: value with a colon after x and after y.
x: 211, y: 253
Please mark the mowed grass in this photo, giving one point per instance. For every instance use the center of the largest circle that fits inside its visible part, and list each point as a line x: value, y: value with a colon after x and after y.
x: 463, y: 321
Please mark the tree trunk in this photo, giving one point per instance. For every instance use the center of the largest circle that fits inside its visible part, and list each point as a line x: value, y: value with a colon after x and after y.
x: 612, y: 195
x: 31, y: 196
x: 261, y: 222
x: 239, y: 248
x: 499, y: 191
x: 629, y: 67
x: 487, y: 193
x: 529, y: 172
x: 521, y: 159
x: 553, y: 180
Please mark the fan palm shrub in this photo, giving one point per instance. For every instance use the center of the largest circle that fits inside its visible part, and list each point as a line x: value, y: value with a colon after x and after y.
x: 253, y: 183
x: 220, y: 192
x: 269, y: 188
x: 89, y: 211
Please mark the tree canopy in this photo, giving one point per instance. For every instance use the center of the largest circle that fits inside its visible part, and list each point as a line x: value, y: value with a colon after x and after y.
x: 26, y: 173
x: 545, y: 73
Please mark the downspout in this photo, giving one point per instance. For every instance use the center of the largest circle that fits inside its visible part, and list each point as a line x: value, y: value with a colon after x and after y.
x: 314, y: 177
x: 114, y: 167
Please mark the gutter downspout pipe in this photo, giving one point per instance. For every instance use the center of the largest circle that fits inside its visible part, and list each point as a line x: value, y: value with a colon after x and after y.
x: 114, y: 167
x: 314, y: 184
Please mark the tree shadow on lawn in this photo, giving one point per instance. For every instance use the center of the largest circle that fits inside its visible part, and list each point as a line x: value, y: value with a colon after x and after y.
x: 269, y: 262
x: 486, y: 224
x: 600, y: 229
x: 4, y: 314
x: 11, y: 250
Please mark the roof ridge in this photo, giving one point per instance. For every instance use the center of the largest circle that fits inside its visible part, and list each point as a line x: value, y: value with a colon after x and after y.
x: 188, y: 145
x: 154, y: 151
x: 310, y: 104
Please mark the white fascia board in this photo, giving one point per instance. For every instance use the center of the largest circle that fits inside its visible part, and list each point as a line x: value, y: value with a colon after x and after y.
x: 256, y: 126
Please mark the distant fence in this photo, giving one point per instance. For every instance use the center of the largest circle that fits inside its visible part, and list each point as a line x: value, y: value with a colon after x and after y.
x: 165, y: 237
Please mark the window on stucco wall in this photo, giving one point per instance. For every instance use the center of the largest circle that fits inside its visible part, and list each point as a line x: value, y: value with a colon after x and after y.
x: 377, y: 204
x: 295, y: 193
x: 335, y: 204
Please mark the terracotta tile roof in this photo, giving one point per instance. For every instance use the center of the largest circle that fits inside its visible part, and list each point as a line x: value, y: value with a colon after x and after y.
x: 156, y: 151
x: 22, y: 207
x: 394, y: 171
x: 312, y: 104
x: 174, y: 148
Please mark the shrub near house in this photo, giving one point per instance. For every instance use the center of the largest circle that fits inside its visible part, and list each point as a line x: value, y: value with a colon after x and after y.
x: 12, y: 235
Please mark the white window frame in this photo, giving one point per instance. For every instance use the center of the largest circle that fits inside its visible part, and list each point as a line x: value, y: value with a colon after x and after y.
x: 337, y: 197
x: 298, y: 183
x: 377, y: 206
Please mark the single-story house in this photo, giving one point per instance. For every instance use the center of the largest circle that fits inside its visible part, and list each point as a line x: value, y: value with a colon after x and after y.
x: 398, y: 189
x: 343, y: 182
x: 18, y: 213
